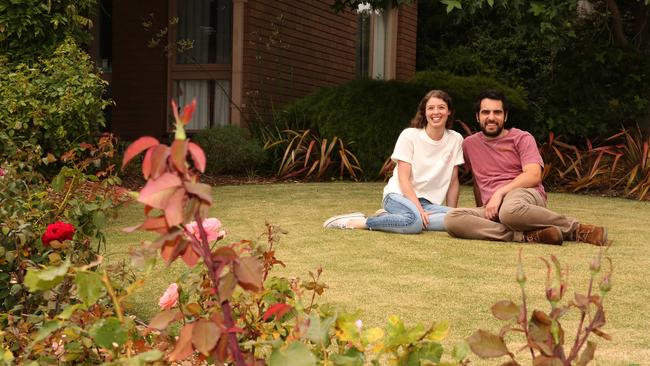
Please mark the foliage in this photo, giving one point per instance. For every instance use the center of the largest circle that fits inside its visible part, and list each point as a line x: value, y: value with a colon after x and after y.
x: 618, y: 165
x: 580, y: 75
x: 51, y: 105
x: 544, y: 335
x: 302, y: 154
x: 28, y: 204
x: 30, y: 29
x: 367, y: 114
x: 230, y: 149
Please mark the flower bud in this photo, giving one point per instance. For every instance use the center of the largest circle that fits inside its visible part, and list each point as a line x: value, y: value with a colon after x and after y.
x: 605, y: 285
x: 594, y: 267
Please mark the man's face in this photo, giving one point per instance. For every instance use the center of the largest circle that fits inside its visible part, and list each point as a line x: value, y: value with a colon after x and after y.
x: 491, y: 117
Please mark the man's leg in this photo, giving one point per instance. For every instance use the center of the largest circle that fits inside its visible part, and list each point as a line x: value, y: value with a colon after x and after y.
x: 470, y: 223
x: 524, y: 209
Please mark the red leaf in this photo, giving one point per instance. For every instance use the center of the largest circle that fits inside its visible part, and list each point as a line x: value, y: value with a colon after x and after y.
x: 188, y: 110
x: 159, y: 157
x: 277, y: 310
x: 137, y: 147
x: 163, y: 319
x: 157, y: 224
x: 172, y: 249
x: 183, y: 347
x: 198, y: 156
x: 487, y: 345
x: 178, y: 153
x: 203, y: 191
x: 249, y: 273
x: 157, y: 192
x: 205, y: 336
x: 174, y: 208
x: 146, y: 164
x: 190, y: 256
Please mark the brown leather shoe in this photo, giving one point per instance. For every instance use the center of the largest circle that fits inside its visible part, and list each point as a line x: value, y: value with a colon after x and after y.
x: 547, y: 235
x: 592, y: 234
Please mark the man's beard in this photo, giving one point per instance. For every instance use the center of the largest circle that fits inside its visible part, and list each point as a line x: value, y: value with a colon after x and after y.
x: 496, y: 132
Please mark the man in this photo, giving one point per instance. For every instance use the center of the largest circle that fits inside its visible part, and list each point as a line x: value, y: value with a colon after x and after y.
x: 507, y: 170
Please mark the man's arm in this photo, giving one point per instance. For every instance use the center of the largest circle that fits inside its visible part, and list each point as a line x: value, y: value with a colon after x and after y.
x: 530, y: 177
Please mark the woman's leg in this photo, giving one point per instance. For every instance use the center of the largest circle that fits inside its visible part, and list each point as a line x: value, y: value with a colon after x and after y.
x: 401, y: 216
x: 436, y: 216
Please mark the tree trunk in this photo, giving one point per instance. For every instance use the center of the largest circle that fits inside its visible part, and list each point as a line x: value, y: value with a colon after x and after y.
x: 617, y: 23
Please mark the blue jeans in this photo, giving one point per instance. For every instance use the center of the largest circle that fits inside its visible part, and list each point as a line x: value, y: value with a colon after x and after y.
x: 403, y: 217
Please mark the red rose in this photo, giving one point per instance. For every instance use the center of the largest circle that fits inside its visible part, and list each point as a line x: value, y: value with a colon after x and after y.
x: 59, y: 231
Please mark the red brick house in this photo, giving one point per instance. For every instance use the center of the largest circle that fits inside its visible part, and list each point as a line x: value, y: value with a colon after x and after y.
x: 248, y: 56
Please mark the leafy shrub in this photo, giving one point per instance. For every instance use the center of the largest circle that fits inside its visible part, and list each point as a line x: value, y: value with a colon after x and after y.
x: 367, y: 114
x: 464, y: 89
x: 543, y: 332
x: 54, y: 104
x: 230, y: 149
x: 34, y: 28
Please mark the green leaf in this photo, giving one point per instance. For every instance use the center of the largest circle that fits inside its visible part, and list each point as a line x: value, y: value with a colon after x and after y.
x: 69, y: 310
x: 90, y: 287
x: 58, y: 183
x: 487, y: 345
x: 427, y: 352
x: 352, y: 357
x: 439, y: 332
x: 296, y: 354
x: 142, y: 359
x: 45, y: 279
x: 319, y: 331
x: 491, y: 3
x: 107, y: 331
x: 47, y: 329
x: 460, y: 351
x: 452, y: 4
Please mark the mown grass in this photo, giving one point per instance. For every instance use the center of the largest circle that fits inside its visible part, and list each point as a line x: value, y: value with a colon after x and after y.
x: 431, y: 276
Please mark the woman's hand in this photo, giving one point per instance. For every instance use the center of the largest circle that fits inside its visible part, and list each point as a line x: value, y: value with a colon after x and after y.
x: 425, y: 218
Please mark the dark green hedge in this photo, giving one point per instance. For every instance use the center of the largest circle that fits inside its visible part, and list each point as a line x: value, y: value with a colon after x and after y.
x: 370, y: 114
x: 230, y: 149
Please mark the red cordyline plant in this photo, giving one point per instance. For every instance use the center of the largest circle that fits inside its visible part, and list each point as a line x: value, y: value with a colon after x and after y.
x: 173, y: 197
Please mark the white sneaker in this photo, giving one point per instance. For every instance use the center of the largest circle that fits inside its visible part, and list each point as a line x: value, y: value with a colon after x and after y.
x: 341, y: 221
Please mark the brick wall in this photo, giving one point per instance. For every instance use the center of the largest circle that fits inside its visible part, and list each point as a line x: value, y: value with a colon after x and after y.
x: 406, y: 41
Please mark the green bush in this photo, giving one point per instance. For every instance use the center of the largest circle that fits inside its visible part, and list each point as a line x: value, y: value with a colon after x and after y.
x: 367, y: 114
x: 55, y: 103
x: 370, y: 114
x: 230, y: 149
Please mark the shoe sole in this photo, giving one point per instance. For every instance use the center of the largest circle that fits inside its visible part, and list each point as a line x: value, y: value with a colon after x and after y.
x: 334, y: 218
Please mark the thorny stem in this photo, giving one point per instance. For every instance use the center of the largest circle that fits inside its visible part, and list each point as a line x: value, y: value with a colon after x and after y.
x: 525, y: 325
x: 233, y: 344
x: 111, y: 293
x: 578, y: 342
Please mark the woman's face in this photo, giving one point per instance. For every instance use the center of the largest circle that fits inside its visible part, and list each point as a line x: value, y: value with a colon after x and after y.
x: 437, y: 112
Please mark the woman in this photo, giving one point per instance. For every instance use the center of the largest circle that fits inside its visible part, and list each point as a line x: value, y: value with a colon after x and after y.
x: 427, y: 156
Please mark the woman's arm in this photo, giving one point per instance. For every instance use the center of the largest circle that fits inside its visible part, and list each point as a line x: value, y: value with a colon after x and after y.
x: 454, y: 189
x: 404, y: 174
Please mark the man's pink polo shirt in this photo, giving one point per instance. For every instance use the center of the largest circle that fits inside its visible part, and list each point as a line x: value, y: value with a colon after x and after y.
x: 496, y: 162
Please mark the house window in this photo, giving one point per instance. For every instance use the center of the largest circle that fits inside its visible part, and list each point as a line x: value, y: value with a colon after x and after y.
x: 376, y: 40
x: 203, y: 71
x: 363, y: 45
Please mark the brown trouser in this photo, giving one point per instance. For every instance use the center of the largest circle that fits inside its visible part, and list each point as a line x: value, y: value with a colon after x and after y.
x: 522, y: 209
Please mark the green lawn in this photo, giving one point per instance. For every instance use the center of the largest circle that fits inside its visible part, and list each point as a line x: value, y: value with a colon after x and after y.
x: 431, y: 276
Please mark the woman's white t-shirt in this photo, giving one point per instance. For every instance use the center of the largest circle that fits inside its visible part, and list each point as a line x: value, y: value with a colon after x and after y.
x: 432, y: 162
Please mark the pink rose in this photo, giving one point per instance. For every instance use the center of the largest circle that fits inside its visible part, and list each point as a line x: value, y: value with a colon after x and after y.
x: 211, y: 226
x: 2, y: 172
x: 170, y: 298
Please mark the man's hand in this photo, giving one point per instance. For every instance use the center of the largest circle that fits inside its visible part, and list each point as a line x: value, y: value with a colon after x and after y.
x: 492, y: 207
